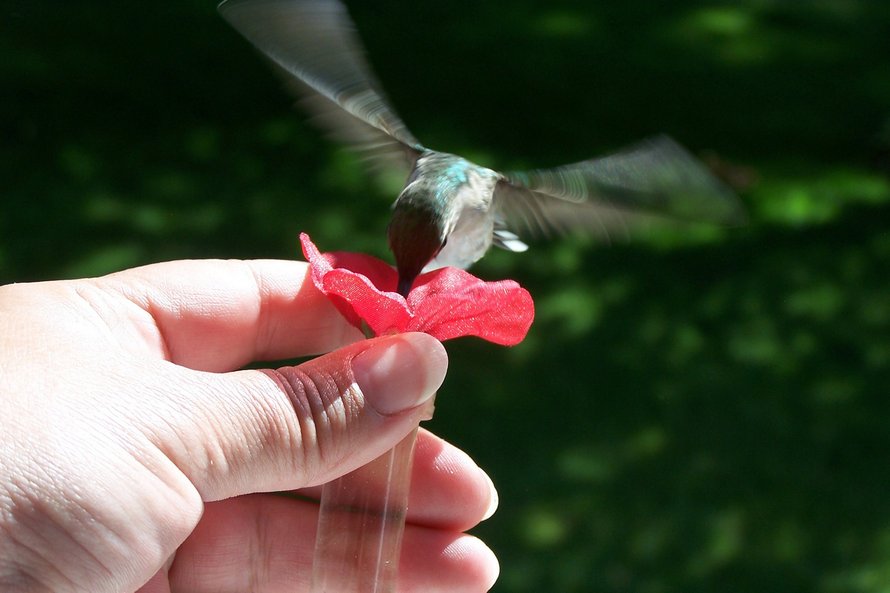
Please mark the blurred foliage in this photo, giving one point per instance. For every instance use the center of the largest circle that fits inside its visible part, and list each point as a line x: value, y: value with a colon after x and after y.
x: 693, y: 411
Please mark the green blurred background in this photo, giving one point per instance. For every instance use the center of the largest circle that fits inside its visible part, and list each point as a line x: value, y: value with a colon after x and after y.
x: 698, y: 411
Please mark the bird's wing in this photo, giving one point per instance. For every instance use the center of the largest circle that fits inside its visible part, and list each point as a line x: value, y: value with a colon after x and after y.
x: 655, y: 180
x: 314, y: 43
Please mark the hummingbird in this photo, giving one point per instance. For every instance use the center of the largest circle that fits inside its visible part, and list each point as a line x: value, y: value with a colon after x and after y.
x: 451, y: 210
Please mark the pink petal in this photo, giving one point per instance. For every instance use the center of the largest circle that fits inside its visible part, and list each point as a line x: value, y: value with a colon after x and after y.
x: 446, y: 303
x: 382, y: 275
x: 354, y: 294
x: 384, y: 312
x: 450, y: 303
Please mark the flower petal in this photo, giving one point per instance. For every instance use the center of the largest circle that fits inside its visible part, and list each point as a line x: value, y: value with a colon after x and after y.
x: 384, y: 312
x: 450, y: 303
x: 445, y: 303
x: 382, y: 275
x: 318, y: 267
x: 348, y: 280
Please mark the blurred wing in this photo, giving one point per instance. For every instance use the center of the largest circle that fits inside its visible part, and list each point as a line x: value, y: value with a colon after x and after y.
x: 654, y: 180
x: 314, y: 43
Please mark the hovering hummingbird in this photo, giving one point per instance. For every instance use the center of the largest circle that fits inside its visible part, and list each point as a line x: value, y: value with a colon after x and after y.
x: 452, y: 210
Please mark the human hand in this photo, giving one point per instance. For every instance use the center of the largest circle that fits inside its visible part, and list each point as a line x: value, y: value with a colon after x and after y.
x: 135, y: 457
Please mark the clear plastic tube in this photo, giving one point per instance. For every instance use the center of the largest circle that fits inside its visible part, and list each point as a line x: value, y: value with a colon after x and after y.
x: 360, y: 525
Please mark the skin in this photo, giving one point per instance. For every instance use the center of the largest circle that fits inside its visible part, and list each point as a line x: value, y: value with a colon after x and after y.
x: 136, y: 457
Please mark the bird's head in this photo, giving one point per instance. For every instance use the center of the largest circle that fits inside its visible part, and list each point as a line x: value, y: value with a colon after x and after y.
x: 416, y: 235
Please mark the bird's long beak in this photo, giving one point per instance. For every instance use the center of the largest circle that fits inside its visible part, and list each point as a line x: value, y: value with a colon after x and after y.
x: 405, y: 285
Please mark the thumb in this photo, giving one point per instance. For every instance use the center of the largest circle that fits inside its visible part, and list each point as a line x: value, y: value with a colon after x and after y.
x: 308, y: 424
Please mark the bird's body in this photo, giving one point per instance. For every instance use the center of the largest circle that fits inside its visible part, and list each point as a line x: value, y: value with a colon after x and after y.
x: 452, y: 210
x: 461, y: 193
x: 456, y: 196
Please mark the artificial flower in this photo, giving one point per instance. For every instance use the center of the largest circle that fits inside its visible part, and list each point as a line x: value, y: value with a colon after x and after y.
x: 445, y: 303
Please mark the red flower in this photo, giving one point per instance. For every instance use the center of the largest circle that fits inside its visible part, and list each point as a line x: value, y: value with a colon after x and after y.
x: 445, y: 303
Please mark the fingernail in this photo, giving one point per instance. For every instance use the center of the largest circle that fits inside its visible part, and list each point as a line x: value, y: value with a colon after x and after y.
x: 400, y: 372
x: 493, y: 501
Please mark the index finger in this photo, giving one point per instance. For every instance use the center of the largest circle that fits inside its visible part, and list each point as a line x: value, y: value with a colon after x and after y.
x: 218, y: 315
